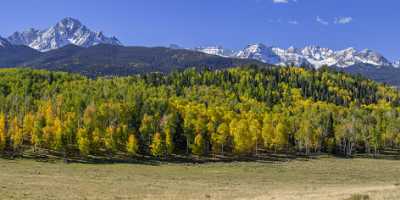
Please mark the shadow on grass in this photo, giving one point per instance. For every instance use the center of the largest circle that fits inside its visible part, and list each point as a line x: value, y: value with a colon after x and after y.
x: 156, y: 161
x: 266, y: 157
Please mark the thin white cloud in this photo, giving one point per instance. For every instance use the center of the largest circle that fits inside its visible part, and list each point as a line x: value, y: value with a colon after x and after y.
x: 280, y: 1
x: 283, y: 1
x: 275, y: 21
x: 343, y: 20
x: 293, y: 22
x: 322, y: 21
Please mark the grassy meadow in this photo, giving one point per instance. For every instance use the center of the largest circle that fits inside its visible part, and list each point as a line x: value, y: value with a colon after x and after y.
x: 321, y: 178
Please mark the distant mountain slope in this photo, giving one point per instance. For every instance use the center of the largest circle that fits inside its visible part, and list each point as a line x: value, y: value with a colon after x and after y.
x: 4, y: 43
x: 11, y: 55
x: 107, y: 59
x: 67, y: 31
x: 388, y: 75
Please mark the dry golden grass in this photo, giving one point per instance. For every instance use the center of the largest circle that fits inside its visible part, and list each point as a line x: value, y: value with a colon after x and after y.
x: 323, y: 178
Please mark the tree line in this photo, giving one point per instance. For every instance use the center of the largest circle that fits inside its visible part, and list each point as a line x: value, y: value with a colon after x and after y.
x: 240, y: 111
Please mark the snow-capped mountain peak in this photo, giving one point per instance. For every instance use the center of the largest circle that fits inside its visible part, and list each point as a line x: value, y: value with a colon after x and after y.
x: 273, y: 55
x: 259, y: 52
x: 374, y: 58
x: 316, y: 52
x: 69, y: 23
x: 67, y: 31
x: 351, y: 56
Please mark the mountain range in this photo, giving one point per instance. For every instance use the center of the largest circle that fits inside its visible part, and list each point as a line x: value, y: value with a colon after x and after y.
x: 311, y: 56
x: 368, y: 63
x: 71, y: 46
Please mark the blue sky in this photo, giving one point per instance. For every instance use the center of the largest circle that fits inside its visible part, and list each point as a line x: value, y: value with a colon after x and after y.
x: 335, y: 24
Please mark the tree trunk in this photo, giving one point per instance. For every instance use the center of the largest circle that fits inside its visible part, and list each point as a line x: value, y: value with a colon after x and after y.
x: 187, y: 146
x: 256, y: 148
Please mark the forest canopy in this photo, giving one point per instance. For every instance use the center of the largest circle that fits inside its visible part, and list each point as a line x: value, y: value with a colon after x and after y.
x: 238, y: 111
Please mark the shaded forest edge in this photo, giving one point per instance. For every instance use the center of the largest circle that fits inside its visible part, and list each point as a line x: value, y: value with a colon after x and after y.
x: 247, y: 113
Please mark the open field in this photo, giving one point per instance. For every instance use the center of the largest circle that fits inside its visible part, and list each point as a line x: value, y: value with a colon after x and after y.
x: 323, y: 178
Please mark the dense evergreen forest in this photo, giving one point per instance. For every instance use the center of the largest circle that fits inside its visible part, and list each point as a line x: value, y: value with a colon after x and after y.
x: 244, y: 111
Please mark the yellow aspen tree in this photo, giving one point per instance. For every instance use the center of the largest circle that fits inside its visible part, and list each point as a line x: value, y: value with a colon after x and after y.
x: 16, y: 134
x: 58, y: 135
x: 243, y: 142
x: 304, y: 134
x: 219, y: 138
x: 122, y: 135
x: 255, y: 131
x: 156, y: 147
x: 147, y: 128
x: 3, y: 132
x: 70, y: 128
x: 169, y: 141
x: 200, y: 129
x: 268, y: 131
x: 198, y: 145
x: 132, y: 146
x: 97, y: 139
x: 29, y: 122
x: 109, y: 139
x: 169, y: 128
x: 37, y: 134
x: 48, y: 130
x: 281, y: 136
x: 89, y: 117
x: 48, y: 136
x: 83, y: 142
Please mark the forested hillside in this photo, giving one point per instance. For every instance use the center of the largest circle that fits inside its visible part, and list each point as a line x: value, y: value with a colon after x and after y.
x: 239, y: 111
x: 113, y: 60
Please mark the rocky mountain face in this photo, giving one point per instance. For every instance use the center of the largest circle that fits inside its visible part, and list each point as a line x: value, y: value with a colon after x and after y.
x: 313, y: 56
x: 4, y: 43
x: 67, y: 31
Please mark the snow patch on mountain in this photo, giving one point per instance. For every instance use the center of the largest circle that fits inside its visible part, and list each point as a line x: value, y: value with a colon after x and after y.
x: 396, y: 64
x: 67, y: 31
x: 216, y: 50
